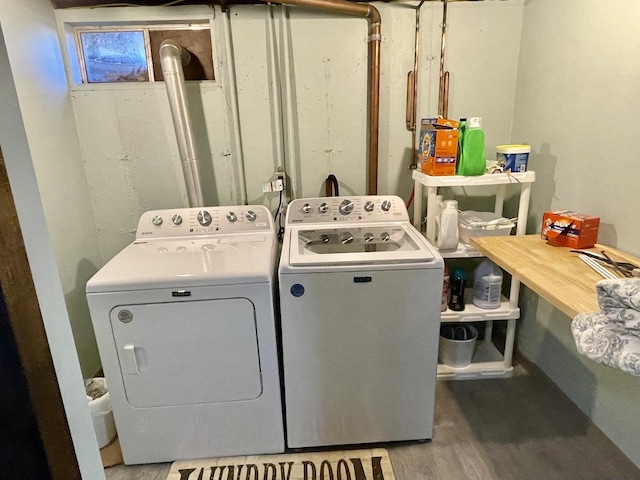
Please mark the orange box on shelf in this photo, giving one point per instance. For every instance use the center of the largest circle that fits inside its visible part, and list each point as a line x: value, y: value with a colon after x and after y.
x: 438, y: 146
x: 570, y: 229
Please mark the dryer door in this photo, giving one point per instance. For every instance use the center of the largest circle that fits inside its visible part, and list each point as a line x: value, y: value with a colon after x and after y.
x: 188, y: 352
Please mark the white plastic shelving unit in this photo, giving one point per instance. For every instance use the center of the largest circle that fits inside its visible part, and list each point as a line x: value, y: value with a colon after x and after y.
x: 487, y: 362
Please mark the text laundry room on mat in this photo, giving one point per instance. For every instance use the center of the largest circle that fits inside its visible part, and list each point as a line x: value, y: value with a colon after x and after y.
x: 340, y: 465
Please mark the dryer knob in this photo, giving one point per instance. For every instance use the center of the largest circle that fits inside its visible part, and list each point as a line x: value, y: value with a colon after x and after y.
x: 368, y: 237
x: 232, y: 217
x: 204, y: 218
x: 177, y: 220
x: 306, y: 208
x: 385, y: 237
x: 386, y: 205
x: 323, y: 208
x: 157, y: 220
x: 368, y: 206
x: 346, y: 207
x: 251, y: 215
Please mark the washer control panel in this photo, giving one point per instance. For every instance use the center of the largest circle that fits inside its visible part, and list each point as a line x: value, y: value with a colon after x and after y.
x: 357, y: 209
x: 179, y: 222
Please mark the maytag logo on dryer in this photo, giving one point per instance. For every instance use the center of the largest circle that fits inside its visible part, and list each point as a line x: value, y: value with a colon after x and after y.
x: 181, y: 293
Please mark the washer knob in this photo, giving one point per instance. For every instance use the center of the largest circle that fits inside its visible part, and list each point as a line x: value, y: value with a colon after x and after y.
x: 368, y: 237
x: 346, y: 207
x: 368, y: 206
x: 251, y: 215
x: 385, y: 236
x: 324, y: 238
x: 323, y: 208
x: 157, y: 220
x: 346, y: 238
x: 176, y: 219
x: 386, y: 205
x: 204, y: 218
x: 306, y: 208
x: 232, y: 217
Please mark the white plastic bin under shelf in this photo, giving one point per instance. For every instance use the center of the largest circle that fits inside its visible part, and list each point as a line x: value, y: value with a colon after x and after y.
x: 101, y: 410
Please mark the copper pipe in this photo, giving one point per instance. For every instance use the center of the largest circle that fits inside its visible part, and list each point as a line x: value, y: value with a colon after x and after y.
x: 373, y: 17
x: 409, y: 118
x: 442, y: 47
x: 374, y: 105
x: 414, y: 89
x: 445, y: 96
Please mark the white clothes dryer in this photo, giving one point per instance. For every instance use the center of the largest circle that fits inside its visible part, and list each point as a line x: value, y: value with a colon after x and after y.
x: 185, y: 325
x: 360, y: 292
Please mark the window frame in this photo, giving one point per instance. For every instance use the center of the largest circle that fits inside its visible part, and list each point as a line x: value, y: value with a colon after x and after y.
x: 183, y: 16
x: 145, y: 28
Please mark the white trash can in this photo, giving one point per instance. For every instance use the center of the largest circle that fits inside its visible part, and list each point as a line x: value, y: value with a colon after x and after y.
x: 457, y: 344
x: 101, y: 410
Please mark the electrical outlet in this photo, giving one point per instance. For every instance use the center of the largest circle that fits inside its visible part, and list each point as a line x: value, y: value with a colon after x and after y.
x: 276, y: 185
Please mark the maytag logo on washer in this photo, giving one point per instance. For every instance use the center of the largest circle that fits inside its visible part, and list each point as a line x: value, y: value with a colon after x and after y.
x: 297, y: 290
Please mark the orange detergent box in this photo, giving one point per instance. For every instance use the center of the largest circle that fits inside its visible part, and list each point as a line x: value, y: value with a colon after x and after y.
x: 570, y: 229
x: 438, y: 146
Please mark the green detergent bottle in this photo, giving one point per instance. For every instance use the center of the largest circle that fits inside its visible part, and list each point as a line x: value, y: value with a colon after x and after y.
x: 473, y: 159
x: 461, y: 128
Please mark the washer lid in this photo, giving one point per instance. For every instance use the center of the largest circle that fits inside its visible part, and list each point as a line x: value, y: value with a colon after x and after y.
x: 176, y: 262
x: 357, y: 244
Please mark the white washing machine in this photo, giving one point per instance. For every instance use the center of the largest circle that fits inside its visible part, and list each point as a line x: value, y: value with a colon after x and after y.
x: 360, y: 292
x: 184, y: 319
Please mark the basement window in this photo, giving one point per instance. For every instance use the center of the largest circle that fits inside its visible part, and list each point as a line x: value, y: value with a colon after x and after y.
x: 115, y: 54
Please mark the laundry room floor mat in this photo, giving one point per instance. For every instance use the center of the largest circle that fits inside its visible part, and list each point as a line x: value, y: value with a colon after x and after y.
x: 371, y: 464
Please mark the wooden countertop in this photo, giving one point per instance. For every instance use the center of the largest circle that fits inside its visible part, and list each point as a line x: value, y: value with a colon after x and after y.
x: 554, y: 273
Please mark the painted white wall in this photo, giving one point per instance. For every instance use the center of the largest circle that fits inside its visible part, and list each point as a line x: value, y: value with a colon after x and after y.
x: 579, y: 71
x: 126, y: 133
x: 19, y: 160
x: 36, y: 61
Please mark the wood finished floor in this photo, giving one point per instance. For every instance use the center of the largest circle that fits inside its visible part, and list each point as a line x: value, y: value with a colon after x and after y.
x: 505, y: 429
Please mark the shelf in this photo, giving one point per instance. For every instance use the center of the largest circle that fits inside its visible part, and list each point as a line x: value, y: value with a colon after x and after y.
x: 471, y: 313
x: 487, y: 362
x: 480, y: 180
x: 463, y: 251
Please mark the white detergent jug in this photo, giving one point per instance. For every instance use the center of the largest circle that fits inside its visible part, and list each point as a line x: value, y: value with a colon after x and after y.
x: 447, y: 238
x: 487, y: 285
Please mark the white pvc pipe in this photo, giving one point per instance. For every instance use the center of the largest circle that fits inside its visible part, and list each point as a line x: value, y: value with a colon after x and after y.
x: 275, y: 89
x: 233, y: 105
x: 172, y: 58
x: 288, y: 99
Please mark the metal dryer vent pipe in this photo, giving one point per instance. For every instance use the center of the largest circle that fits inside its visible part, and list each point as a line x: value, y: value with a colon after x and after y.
x: 373, y: 16
x: 172, y: 59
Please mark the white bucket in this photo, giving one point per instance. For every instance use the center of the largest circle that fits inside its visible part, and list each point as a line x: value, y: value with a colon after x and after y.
x: 457, y: 345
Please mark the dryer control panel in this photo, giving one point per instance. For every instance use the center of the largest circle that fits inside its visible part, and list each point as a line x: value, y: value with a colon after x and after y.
x: 179, y: 222
x: 357, y: 209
